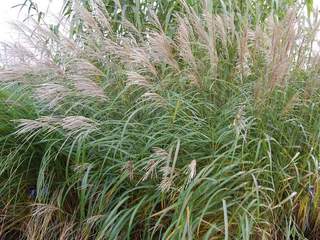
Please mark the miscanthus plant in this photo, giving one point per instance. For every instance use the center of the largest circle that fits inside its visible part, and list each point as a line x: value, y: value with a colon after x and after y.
x: 209, y: 131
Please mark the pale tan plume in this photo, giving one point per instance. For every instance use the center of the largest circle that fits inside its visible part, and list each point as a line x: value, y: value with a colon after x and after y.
x: 137, y: 79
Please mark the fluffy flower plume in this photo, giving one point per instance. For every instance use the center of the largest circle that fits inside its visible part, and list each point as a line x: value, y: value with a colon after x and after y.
x: 128, y: 169
x: 183, y: 40
x: 51, y: 93
x: 137, y: 79
x: 240, y: 123
x: 192, y: 170
x: 166, y: 184
x: 167, y: 181
x: 155, y: 98
x: 28, y: 125
x: 161, y: 50
x: 158, y: 157
x: 88, y: 87
x: 77, y: 123
x: 70, y: 124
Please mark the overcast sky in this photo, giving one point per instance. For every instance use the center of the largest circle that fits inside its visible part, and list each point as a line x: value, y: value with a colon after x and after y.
x: 9, y: 14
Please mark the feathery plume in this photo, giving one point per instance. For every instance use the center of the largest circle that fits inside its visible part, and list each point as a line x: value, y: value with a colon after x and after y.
x: 277, y: 44
x: 83, y: 67
x: 168, y: 175
x: 131, y: 28
x: 137, y: 57
x: 101, y: 15
x: 166, y: 183
x: 167, y: 178
x: 158, y: 156
x: 160, y: 153
x: 51, y: 93
x: 161, y: 50
x: 150, y: 170
x: 87, y: 18
x: 183, y: 40
x: 193, y: 78
x: 81, y: 73
x: 240, y: 123
x: 87, y: 87
x: 192, y: 170
x: 128, y: 169
x: 78, y: 123
x: 244, y: 54
x: 166, y: 170
x: 20, y: 73
x: 137, y: 79
x: 154, y: 97
x: 28, y: 125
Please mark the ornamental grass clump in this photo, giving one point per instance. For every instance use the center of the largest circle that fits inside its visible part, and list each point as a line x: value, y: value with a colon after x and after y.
x: 201, y: 125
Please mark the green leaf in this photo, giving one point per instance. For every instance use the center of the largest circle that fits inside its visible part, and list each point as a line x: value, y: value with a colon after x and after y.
x: 309, y: 4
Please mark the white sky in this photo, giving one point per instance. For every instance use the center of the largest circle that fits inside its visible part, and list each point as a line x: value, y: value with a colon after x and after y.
x: 9, y: 14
